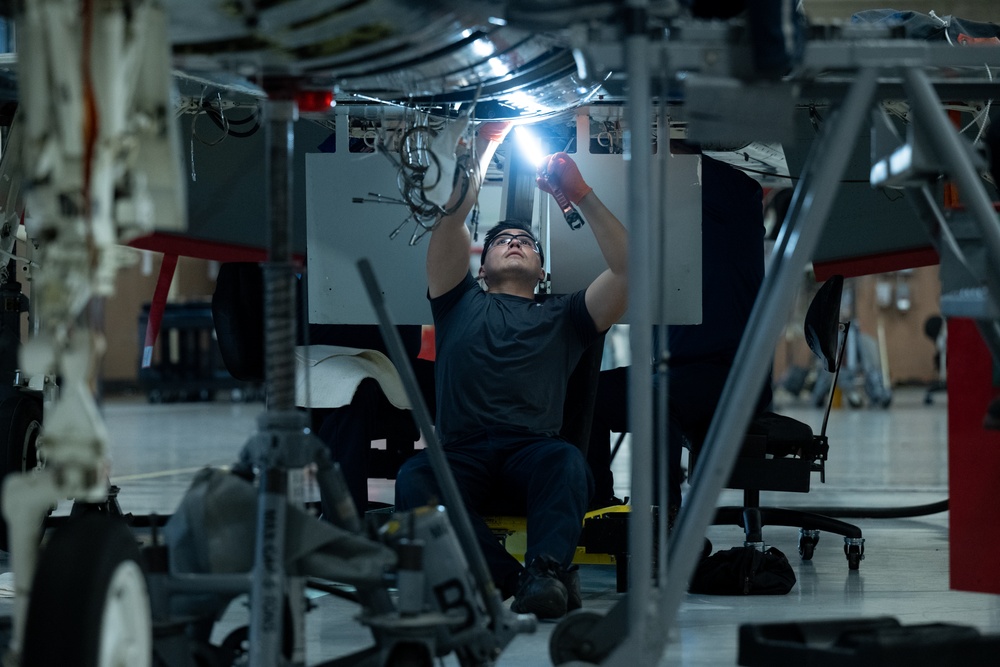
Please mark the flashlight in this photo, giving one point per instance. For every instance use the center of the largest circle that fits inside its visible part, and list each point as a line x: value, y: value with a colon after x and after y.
x: 529, y: 145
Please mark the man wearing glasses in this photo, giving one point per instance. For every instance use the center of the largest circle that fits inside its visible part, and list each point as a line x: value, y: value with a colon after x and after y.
x: 504, y: 357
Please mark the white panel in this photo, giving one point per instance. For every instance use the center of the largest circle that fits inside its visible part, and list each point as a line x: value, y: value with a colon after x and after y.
x: 680, y: 224
x: 576, y: 260
x: 339, y: 232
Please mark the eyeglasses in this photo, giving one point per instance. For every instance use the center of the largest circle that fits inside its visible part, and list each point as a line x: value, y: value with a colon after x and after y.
x: 523, y: 240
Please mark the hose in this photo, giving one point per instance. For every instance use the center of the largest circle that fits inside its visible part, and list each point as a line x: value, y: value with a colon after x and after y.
x: 879, y: 512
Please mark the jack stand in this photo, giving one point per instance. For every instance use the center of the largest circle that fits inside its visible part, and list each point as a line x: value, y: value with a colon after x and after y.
x: 413, y: 630
x: 110, y: 506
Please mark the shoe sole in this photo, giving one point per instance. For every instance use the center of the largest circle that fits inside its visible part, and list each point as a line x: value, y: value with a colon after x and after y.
x: 541, y: 610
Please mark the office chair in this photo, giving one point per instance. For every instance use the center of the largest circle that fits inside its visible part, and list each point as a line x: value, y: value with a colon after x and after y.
x: 781, y: 454
x: 934, y: 328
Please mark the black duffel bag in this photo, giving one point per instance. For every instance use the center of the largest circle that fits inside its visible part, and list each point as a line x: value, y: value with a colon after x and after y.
x: 743, y: 571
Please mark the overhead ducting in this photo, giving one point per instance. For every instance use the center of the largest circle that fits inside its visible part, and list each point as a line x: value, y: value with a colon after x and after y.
x: 398, y: 51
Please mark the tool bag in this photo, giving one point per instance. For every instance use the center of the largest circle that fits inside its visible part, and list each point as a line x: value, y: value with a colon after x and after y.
x: 743, y: 571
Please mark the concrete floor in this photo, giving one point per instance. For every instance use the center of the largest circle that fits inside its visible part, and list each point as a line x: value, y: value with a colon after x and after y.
x: 880, y: 458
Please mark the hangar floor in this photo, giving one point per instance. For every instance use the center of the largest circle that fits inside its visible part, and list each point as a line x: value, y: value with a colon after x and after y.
x: 883, y: 458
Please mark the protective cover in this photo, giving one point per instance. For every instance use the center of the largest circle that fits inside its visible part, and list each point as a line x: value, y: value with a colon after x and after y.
x: 328, y: 375
x: 932, y: 27
x: 214, y: 531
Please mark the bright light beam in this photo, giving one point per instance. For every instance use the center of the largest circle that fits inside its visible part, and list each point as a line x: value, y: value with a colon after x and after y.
x: 529, y: 145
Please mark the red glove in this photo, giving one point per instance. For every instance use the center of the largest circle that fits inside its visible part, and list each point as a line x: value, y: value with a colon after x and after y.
x: 493, y: 131
x: 560, y: 172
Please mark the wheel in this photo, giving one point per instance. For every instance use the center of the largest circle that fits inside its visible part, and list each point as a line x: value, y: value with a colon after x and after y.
x: 807, y: 543
x: 20, y: 424
x: 89, y: 603
x: 410, y: 654
x: 855, y: 554
x: 235, y: 648
x: 572, y: 639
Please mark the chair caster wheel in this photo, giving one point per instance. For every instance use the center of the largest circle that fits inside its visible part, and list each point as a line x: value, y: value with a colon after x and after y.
x: 854, y: 549
x: 808, y: 539
x: 571, y: 641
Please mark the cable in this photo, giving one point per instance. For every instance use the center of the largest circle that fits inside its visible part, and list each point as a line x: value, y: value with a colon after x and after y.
x: 194, y: 125
x: 879, y: 512
x: 789, y: 177
x: 413, y: 162
x: 225, y: 124
x: 984, y: 114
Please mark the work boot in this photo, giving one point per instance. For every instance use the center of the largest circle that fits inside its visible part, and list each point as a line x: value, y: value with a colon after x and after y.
x: 570, y: 577
x: 541, y: 592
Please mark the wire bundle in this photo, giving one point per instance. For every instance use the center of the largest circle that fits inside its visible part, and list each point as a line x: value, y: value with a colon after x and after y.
x: 419, y: 171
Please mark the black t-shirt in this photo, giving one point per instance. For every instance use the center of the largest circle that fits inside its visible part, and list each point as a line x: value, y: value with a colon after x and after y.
x: 503, y: 361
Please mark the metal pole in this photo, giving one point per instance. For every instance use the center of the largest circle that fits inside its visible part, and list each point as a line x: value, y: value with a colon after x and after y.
x: 811, y: 202
x: 926, y: 206
x: 279, y: 285
x: 661, y: 384
x: 929, y: 112
x: 270, y: 585
x: 635, y: 648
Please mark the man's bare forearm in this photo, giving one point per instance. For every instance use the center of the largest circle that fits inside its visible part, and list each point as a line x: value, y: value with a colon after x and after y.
x: 611, y: 235
x: 448, y: 248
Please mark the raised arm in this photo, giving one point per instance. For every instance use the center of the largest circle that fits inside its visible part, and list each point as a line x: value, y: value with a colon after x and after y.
x: 607, y: 295
x: 448, y: 249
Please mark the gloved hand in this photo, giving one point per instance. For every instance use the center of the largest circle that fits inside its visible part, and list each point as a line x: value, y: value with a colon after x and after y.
x: 493, y: 131
x: 560, y: 172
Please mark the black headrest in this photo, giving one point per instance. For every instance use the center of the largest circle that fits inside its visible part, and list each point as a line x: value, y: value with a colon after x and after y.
x: 933, y: 326
x: 822, y: 325
x: 238, y: 314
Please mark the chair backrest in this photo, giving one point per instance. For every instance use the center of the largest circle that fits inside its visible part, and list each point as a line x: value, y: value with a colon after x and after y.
x: 578, y: 415
x: 822, y: 330
x: 581, y: 394
x: 238, y: 315
x: 795, y: 452
x: 822, y: 323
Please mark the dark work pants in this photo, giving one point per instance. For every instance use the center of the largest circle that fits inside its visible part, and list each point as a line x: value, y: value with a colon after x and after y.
x: 348, y: 432
x: 545, y: 479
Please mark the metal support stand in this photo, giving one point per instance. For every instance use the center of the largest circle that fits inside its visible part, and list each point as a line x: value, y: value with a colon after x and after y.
x: 270, y: 586
x: 640, y: 645
x: 928, y: 111
x: 800, y: 234
x: 807, y: 215
x: 950, y: 150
